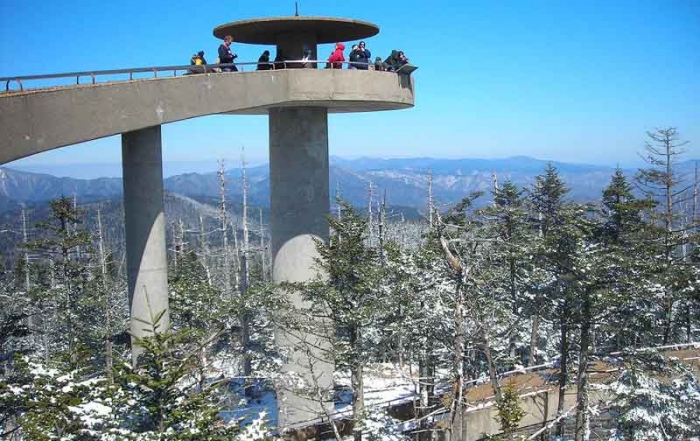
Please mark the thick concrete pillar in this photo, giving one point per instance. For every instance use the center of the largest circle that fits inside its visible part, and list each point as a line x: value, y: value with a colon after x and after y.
x: 292, y: 44
x: 299, y: 204
x: 145, y: 230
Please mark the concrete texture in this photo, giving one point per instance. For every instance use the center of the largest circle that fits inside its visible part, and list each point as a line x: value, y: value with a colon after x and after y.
x: 267, y: 30
x: 36, y: 121
x: 539, y: 407
x: 145, y: 230
x: 299, y: 204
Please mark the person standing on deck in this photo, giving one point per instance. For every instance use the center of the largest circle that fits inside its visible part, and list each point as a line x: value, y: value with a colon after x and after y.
x: 226, y: 56
x: 336, y: 59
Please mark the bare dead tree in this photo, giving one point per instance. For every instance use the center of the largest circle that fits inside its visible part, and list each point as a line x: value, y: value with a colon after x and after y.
x: 263, y: 250
x: 245, y: 274
x: 663, y: 181
x: 221, y: 172
x: 107, y: 300
x: 370, y: 218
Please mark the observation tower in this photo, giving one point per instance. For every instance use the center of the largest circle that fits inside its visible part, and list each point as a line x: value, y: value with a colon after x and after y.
x: 297, y: 101
x: 299, y: 170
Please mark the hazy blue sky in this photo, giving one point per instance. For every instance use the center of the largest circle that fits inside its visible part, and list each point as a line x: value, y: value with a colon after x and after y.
x: 571, y: 81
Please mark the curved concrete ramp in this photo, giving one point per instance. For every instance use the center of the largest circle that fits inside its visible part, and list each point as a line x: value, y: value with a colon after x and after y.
x: 36, y: 121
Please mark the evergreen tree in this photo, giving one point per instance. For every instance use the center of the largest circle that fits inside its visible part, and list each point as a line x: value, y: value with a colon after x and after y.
x: 510, y: 412
x: 157, y: 398
x: 647, y: 406
x: 69, y: 303
x: 559, y: 239
x: 662, y: 182
x: 507, y: 227
x: 353, y: 296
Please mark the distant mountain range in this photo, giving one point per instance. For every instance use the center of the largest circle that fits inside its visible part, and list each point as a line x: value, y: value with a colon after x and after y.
x: 404, y: 181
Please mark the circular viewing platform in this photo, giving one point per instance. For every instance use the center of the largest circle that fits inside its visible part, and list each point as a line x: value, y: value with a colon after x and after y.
x: 272, y: 30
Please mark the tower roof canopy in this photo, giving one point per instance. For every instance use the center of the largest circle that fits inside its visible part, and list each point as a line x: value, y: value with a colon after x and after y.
x: 269, y: 30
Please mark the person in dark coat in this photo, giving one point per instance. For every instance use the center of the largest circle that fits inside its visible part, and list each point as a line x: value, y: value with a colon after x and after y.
x: 226, y: 56
x: 365, y: 57
x: 280, y: 61
x: 391, y: 63
x: 336, y: 59
x: 354, y: 57
x: 378, y: 64
x: 264, y: 61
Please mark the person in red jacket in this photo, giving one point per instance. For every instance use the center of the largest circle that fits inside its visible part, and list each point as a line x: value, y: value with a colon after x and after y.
x: 336, y: 59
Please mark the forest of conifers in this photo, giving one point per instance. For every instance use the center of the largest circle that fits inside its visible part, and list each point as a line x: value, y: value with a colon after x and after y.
x: 507, y: 279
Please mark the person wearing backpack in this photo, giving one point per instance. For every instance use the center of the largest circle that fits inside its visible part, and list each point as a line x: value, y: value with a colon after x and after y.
x: 197, y: 60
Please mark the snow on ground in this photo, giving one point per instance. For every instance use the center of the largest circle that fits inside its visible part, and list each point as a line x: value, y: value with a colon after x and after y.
x: 384, y: 383
x: 249, y: 410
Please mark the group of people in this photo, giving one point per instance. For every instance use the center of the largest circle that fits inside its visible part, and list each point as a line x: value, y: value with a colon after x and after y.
x: 360, y: 58
x: 280, y: 61
x: 226, y: 56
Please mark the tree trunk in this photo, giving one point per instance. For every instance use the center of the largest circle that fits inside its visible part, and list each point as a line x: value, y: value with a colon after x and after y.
x: 357, y: 382
x: 224, y: 228
x: 582, y: 415
x: 263, y: 257
x: 534, y: 335
x: 668, y: 315
x: 245, y: 283
x: 668, y: 299
x: 493, y: 375
x: 688, y: 323
x: 108, y: 307
x: 563, y: 372
x: 457, y: 363
x: 204, y: 245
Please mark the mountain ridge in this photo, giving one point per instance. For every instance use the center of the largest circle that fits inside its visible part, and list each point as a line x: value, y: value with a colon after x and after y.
x: 403, y: 179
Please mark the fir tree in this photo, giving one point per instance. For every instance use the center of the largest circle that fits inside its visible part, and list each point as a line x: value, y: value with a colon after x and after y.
x: 353, y: 296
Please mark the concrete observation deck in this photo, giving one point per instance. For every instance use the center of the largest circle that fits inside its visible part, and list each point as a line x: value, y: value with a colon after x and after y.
x: 40, y: 120
x: 297, y: 101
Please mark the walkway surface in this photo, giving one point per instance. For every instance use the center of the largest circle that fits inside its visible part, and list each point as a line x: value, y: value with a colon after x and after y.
x: 40, y: 120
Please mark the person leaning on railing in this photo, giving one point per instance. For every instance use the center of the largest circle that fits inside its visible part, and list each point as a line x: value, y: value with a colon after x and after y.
x: 264, y: 61
x: 335, y: 61
x: 395, y: 61
x: 197, y: 61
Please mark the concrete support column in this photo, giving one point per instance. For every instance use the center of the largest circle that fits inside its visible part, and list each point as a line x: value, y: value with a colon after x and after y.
x: 292, y: 44
x: 146, y: 257
x: 299, y: 203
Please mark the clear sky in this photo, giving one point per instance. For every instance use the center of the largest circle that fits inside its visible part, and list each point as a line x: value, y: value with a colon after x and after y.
x: 576, y: 81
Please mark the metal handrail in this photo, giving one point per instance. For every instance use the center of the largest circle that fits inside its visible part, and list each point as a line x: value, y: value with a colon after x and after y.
x: 205, y: 68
